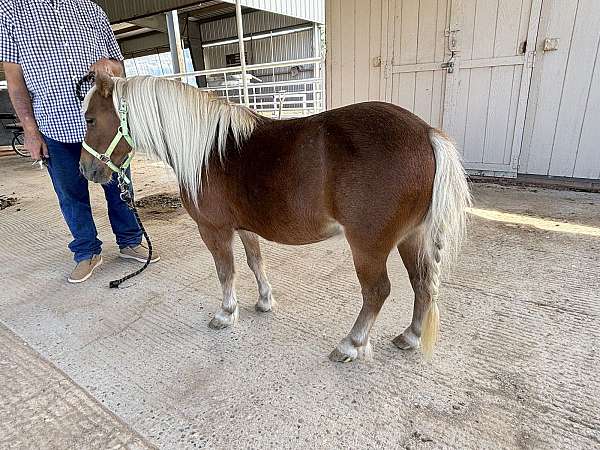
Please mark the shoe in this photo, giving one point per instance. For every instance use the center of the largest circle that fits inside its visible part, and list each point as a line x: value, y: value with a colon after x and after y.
x: 84, y: 269
x: 139, y: 253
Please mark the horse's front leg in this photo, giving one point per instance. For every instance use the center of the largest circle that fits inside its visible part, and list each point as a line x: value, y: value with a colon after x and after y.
x: 220, y: 245
x: 255, y: 262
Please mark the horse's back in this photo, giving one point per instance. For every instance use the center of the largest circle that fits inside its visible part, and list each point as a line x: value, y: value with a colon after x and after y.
x: 368, y: 164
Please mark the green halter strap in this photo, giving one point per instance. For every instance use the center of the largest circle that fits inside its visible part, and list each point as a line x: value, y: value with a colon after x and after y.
x: 122, y: 133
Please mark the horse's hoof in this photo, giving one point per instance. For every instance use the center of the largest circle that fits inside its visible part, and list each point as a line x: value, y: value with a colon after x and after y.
x: 407, y: 341
x: 346, y: 352
x: 338, y: 356
x: 265, y: 305
x: 224, y: 319
x: 217, y: 324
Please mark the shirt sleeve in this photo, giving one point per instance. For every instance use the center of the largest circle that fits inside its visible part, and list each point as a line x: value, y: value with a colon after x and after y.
x: 114, y: 51
x: 9, y: 50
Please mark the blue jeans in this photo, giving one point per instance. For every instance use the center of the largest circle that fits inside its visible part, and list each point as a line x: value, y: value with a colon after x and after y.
x: 74, y: 199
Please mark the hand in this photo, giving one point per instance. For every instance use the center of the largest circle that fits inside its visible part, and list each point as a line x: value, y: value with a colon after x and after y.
x: 106, y: 65
x: 35, y: 144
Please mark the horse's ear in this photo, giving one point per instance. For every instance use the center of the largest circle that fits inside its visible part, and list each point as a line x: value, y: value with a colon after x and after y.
x: 104, y: 84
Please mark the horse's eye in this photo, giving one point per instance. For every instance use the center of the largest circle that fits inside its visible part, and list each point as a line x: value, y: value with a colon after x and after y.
x: 90, y: 121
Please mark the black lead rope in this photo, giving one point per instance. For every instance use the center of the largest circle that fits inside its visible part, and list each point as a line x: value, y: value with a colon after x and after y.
x: 126, y: 195
x: 89, y: 78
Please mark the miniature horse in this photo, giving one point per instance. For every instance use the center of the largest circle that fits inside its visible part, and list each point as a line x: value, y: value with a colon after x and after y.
x: 372, y: 171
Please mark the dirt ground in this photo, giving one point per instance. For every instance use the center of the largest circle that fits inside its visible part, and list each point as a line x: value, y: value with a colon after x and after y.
x: 517, y: 365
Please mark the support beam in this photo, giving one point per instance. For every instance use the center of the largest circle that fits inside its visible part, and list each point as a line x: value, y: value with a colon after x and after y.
x: 194, y: 35
x: 317, y: 67
x: 144, y: 45
x: 156, y: 23
x: 240, y: 29
x: 175, y: 42
x: 317, y: 48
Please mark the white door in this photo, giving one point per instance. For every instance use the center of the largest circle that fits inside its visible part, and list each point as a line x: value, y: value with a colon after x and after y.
x: 465, y: 65
x: 563, y: 115
x: 490, y: 83
x: 414, y: 76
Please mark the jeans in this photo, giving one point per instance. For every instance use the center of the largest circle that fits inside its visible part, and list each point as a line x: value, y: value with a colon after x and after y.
x: 74, y: 199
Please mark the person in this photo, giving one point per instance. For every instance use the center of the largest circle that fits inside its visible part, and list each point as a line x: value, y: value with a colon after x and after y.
x: 46, y: 47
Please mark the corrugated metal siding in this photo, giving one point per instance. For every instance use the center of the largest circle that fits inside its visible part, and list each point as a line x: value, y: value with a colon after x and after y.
x: 122, y: 11
x: 253, y: 23
x: 286, y: 47
x: 313, y: 10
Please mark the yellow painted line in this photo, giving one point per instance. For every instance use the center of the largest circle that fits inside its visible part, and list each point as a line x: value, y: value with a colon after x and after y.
x: 542, y: 224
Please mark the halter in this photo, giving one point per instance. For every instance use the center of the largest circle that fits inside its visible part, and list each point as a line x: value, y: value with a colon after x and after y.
x: 122, y: 133
x: 123, y: 182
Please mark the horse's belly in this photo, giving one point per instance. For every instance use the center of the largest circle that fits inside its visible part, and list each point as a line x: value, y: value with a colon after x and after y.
x: 300, y: 233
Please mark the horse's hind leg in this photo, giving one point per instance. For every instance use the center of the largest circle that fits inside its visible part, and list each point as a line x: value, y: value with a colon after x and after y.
x: 423, y: 286
x: 255, y: 262
x: 220, y: 245
x: 372, y: 273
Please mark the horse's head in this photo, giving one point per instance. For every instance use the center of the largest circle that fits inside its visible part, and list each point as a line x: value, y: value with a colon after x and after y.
x: 102, y: 148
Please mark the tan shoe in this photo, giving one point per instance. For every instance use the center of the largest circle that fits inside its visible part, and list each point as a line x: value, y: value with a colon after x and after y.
x: 83, y: 270
x: 139, y: 253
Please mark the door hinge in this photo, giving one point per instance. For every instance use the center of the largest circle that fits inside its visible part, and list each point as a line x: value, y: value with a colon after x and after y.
x: 451, y: 34
x: 387, y: 69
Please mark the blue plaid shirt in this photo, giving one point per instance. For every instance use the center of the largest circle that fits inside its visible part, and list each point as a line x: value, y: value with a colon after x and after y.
x: 55, y: 42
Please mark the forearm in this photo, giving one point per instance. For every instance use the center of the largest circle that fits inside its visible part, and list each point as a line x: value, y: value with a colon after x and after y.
x: 19, y: 96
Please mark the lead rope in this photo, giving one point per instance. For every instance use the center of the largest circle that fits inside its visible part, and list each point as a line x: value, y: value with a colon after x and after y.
x: 127, y: 196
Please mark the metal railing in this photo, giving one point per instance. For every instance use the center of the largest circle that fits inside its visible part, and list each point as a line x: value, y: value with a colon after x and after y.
x: 289, y: 98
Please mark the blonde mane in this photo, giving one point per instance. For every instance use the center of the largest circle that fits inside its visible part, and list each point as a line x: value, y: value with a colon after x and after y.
x: 181, y: 125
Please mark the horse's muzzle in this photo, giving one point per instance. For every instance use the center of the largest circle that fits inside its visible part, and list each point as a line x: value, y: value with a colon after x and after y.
x: 97, y: 173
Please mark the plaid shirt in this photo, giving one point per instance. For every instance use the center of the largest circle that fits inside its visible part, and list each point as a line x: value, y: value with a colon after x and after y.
x: 55, y: 42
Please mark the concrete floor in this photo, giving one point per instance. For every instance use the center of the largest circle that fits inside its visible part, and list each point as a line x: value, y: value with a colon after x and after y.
x: 517, y: 366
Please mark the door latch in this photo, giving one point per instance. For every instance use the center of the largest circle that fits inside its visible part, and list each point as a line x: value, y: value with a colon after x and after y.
x: 449, y: 65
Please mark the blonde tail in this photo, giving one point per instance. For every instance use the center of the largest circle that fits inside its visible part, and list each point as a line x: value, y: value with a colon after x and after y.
x: 444, y: 226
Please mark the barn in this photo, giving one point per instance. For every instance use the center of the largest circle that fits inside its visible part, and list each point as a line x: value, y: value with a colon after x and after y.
x: 515, y: 82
